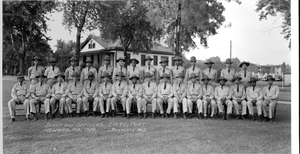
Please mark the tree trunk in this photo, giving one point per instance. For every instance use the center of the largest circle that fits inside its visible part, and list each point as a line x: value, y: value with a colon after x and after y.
x: 125, y: 56
x: 22, y: 64
x: 78, y: 36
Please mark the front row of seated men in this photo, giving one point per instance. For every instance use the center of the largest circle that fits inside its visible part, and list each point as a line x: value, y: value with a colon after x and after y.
x: 163, y: 97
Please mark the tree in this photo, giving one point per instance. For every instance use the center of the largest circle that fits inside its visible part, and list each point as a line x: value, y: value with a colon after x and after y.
x: 197, y: 19
x: 24, y: 27
x: 267, y: 8
x: 127, y: 22
x: 63, y: 48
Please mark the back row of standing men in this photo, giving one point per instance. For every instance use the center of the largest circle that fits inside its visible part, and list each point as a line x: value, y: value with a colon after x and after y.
x: 174, y: 86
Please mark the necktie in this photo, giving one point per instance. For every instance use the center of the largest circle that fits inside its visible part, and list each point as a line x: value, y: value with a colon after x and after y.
x: 119, y: 83
x: 206, y: 87
x: 59, y: 84
x: 105, y: 84
x: 36, y: 67
x: 90, y: 84
x: 209, y: 70
x: 245, y: 74
x: 193, y: 85
x: 221, y: 87
x: 133, y: 69
x: 121, y: 68
x: 40, y: 83
x: 177, y: 67
x: 53, y: 68
x: 88, y: 69
x: 149, y: 67
x: 106, y: 67
x: 237, y: 89
x: 253, y: 88
x: 75, y: 83
x: 179, y: 85
x: 165, y: 86
x: 20, y: 84
x: 269, y: 87
x: 149, y: 84
x: 163, y: 70
x: 133, y: 86
x: 193, y: 68
x: 73, y: 69
x: 228, y: 70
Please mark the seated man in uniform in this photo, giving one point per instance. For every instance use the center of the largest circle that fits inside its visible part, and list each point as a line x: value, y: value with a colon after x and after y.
x: 254, y: 97
x: 119, y: 93
x: 164, y: 94
x: 74, y: 93
x: 134, y: 94
x: 270, y: 93
x: 208, y: 97
x: 223, y: 96
x: 89, y: 92
x: 59, y: 94
x: 179, y: 92
x: 194, y: 95
x: 20, y: 94
x: 149, y: 93
x: 103, y: 94
x: 40, y: 93
x: 238, y: 97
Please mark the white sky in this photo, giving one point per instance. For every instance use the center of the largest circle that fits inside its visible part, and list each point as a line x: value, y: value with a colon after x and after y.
x: 252, y: 39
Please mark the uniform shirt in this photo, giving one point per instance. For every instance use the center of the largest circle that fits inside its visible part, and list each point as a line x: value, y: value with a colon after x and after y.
x: 242, y: 75
x: 135, y: 90
x: 271, y: 93
x: 105, y: 68
x: 119, y: 89
x: 117, y: 70
x: 20, y: 90
x: 90, y: 88
x: 41, y: 90
x: 210, y: 73
x: 133, y: 71
x: 149, y: 89
x: 104, y: 89
x: 85, y: 71
x: 228, y: 75
x: 59, y: 89
x: 179, y: 90
x: 221, y: 92
x: 194, y: 89
x: 161, y: 71
x: 69, y: 71
x: 254, y: 94
x: 151, y: 69
x: 208, y: 92
x: 50, y: 73
x: 75, y: 89
x: 162, y: 91
x: 34, y: 71
x: 238, y: 94
x: 177, y: 70
x: 190, y: 70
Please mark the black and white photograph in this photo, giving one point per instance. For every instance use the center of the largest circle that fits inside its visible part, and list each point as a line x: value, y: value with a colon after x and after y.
x: 149, y: 76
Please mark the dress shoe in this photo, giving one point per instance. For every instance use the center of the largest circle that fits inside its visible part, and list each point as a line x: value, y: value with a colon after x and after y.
x: 259, y: 118
x: 28, y: 119
x: 139, y: 116
x: 12, y: 119
x: 124, y: 115
x: 205, y: 117
x: 46, y: 116
x: 78, y: 115
x: 127, y: 116
x: 253, y: 117
x: 153, y: 115
x: 71, y: 115
x: 175, y: 116
x: 184, y: 115
x: 61, y: 116
x: 163, y: 115
x: 212, y: 117
x: 94, y: 114
x: 35, y: 118
x: 106, y: 115
x: 271, y: 120
x: 190, y: 115
x: 238, y: 117
x: 112, y: 113
x: 167, y: 115
x: 86, y: 113
x: 243, y: 118
x: 145, y: 115
x: 52, y: 116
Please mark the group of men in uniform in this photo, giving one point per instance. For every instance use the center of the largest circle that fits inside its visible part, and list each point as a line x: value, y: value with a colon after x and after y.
x: 166, y: 89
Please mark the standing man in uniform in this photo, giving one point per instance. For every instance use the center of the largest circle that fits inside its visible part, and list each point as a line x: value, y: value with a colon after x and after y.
x: 35, y: 70
x: 193, y: 70
x: 73, y: 68
x: 149, y: 68
x: 165, y: 94
x: 40, y: 93
x: 238, y: 97
x: 103, y: 94
x: 270, y: 93
x: 120, y: 68
x: 20, y: 94
x: 74, y: 93
x: 89, y: 92
x: 133, y: 71
x: 51, y: 72
x: 135, y: 92
x: 149, y: 93
x: 179, y: 92
x: 194, y: 95
x: 208, y: 95
x: 245, y: 74
x: 210, y: 72
x: 164, y: 70
x: 223, y: 96
x: 119, y: 93
x: 58, y: 94
x: 177, y: 69
x: 105, y: 68
x: 228, y: 72
x: 254, y: 97
x: 89, y: 68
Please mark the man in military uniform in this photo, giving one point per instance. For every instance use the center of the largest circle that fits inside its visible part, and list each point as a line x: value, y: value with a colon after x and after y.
x: 270, y: 93
x: 149, y: 93
x: 20, y: 94
x: 179, y: 92
x: 59, y: 94
x: 89, y: 92
x: 103, y: 94
x: 51, y: 71
x: 254, y: 97
x: 164, y: 96
x: 120, y: 68
x: 210, y: 72
x: 135, y: 92
x: 73, y: 68
x: 244, y: 73
x: 164, y: 70
x: 149, y: 68
x: 133, y: 70
x: 74, y: 93
x: 194, y: 95
x: 105, y: 68
x: 86, y: 70
x: 208, y: 96
x: 40, y: 93
x: 35, y: 70
x: 177, y: 69
x: 223, y: 96
x: 228, y: 72
x: 119, y: 93
x: 238, y: 97
x: 193, y: 70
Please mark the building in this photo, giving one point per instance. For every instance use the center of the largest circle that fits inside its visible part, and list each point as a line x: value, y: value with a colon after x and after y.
x: 274, y: 69
x: 97, y: 48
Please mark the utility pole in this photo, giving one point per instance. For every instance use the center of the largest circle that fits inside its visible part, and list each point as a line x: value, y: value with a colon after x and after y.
x: 230, y: 50
x: 177, y: 29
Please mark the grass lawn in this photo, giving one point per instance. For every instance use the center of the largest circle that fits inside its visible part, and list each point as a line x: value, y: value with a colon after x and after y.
x: 119, y: 135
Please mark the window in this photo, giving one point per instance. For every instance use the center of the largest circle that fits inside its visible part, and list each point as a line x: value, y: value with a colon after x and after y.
x: 155, y: 60
x: 143, y: 60
x: 127, y: 59
x: 91, y: 44
x: 173, y: 63
x: 165, y: 57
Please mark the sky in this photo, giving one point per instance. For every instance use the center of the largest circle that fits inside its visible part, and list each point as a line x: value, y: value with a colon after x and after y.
x: 252, y: 39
